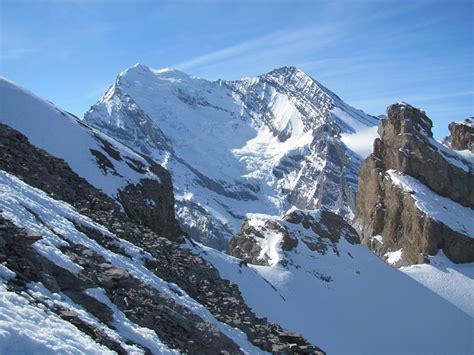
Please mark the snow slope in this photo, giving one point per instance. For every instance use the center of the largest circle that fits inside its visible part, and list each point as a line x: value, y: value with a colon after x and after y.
x: 346, y: 299
x: 63, y: 135
x: 258, y: 145
x: 28, y: 207
x: 454, y: 282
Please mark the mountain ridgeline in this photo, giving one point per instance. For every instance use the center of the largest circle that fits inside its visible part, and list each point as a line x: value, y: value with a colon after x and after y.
x: 182, y: 215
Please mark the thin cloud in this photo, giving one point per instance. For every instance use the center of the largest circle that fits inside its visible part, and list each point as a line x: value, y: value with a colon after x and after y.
x: 17, y: 53
x: 281, y: 41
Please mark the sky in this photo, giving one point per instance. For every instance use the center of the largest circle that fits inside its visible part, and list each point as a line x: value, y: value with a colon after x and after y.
x: 371, y: 53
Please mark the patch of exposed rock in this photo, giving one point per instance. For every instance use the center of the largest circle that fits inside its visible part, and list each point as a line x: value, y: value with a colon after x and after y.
x: 462, y: 135
x: 321, y: 231
x: 176, y: 326
x: 387, y: 217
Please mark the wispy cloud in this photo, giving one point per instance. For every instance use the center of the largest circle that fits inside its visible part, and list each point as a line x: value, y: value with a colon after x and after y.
x: 14, y: 47
x: 17, y: 53
x: 281, y: 42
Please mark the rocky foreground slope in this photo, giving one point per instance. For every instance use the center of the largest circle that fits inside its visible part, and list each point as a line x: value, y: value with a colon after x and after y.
x: 416, y: 196
x: 257, y: 145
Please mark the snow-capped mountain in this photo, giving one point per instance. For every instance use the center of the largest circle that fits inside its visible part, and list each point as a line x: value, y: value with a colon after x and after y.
x: 256, y: 145
x: 92, y: 259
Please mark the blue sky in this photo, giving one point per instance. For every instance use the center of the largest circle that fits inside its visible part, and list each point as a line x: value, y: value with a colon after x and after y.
x: 371, y: 53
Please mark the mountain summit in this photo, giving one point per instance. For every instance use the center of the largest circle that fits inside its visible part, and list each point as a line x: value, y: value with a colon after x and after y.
x: 255, y: 145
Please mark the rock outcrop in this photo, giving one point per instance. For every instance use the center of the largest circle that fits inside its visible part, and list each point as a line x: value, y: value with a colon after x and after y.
x: 390, y: 215
x: 462, y: 135
x: 254, y: 244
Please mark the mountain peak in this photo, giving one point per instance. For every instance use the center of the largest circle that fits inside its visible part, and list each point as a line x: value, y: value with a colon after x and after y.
x: 143, y: 73
x: 287, y: 72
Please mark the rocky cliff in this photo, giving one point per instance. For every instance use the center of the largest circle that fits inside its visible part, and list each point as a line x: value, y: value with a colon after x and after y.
x: 415, y: 195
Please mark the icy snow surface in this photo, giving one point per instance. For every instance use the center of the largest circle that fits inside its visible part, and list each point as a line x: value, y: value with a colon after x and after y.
x: 454, y: 282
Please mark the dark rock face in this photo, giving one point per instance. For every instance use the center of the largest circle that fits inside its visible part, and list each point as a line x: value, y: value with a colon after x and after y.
x: 175, y: 325
x: 179, y: 328
x: 152, y: 203
x: 462, y: 135
x: 387, y: 217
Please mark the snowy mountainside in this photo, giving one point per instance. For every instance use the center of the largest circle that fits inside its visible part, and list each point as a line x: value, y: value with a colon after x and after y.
x: 314, y: 277
x: 258, y: 145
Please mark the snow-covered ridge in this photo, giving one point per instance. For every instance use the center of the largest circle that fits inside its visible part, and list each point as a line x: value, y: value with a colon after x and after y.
x: 102, y: 161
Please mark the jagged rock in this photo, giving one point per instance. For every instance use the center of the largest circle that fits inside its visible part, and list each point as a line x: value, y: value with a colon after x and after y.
x: 96, y: 308
x: 388, y: 217
x: 406, y: 145
x: 462, y: 135
x: 152, y: 203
